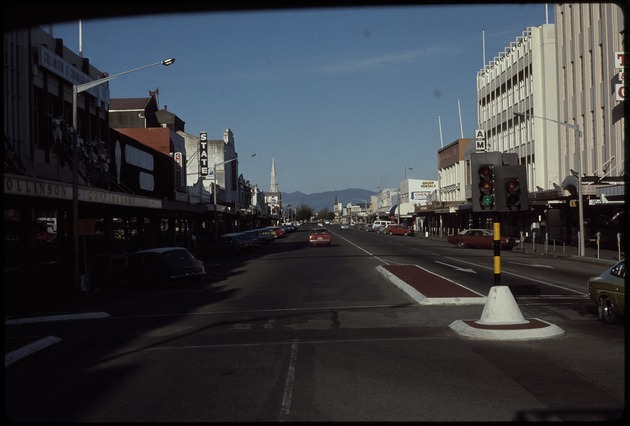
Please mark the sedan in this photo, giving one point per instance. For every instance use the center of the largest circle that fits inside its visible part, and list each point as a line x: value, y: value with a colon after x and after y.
x: 319, y: 237
x: 608, y: 291
x: 398, y: 230
x: 345, y: 226
x: 479, y: 238
x: 162, y: 267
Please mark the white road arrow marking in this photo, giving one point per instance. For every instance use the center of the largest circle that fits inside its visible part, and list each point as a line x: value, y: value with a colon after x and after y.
x: 535, y: 265
x: 457, y: 268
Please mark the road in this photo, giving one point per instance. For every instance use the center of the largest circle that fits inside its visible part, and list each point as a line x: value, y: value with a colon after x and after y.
x: 298, y: 333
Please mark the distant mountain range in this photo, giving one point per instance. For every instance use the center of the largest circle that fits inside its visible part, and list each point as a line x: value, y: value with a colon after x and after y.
x: 325, y: 200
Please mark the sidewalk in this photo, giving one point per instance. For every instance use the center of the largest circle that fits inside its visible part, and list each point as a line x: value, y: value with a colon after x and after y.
x: 569, y: 252
x: 591, y: 254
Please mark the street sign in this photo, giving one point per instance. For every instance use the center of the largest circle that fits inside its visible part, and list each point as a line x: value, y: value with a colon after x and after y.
x: 480, y: 140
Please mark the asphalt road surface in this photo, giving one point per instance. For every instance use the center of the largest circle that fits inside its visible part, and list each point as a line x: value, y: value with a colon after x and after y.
x: 298, y: 333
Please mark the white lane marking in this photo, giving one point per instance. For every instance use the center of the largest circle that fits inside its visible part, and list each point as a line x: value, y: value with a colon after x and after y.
x: 288, y: 384
x: 363, y: 250
x: 62, y: 317
x: 29, y: 349
x: 519, y: 276
x: 456, y: 267
x: 535, y: 265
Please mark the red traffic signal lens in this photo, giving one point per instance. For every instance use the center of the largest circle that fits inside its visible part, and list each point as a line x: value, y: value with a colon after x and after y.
x: 512, y: 185
x: 485, y: 172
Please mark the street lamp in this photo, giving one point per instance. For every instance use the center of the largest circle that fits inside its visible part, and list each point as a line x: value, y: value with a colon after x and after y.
x: 76, y: 89
x: 578, y: 133
x: 214, y: 194
x: 366, y: 208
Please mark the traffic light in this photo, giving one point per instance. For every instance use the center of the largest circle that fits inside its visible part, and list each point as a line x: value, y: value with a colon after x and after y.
x: 511, y: 193
x: 483, y: 183
x: 486, y: 187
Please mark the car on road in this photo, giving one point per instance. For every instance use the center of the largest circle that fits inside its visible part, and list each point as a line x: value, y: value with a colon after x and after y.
x: 162, y: 267
x: 608, y: 291
x: 345, y: 226
x: 479, y: 238
x: 396, y: 229
x: 319, y: 236
x: 378, y: 223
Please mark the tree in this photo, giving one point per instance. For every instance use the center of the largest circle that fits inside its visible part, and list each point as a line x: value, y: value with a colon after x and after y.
x: 325, y: 214
x: 304, y: 212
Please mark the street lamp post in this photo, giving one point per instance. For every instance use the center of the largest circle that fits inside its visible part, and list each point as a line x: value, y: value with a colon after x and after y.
x: 214, y: 194
x: 578, y: 133
x: 366, y: 208
x: 76, y: 89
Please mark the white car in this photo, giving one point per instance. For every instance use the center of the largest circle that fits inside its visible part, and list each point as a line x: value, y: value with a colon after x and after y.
x: 345, y: 226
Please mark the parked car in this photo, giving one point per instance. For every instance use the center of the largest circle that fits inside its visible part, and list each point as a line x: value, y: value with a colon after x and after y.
x: 396, y: 229
x: 278, y: 230
x: 266, y: 235
x: 242, y: 242
x: 608, y: 291
x: 479, y: 238
x: 319, y: 236
x: 162, y: 267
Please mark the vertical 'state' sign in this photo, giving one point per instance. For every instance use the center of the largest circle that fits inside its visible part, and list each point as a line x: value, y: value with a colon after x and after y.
x: 203, y: 154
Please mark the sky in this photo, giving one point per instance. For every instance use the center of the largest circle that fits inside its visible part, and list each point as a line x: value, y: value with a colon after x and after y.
x: 339, y: 97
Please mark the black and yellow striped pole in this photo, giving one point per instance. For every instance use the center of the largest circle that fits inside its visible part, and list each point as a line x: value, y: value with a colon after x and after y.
x: 496, y: 245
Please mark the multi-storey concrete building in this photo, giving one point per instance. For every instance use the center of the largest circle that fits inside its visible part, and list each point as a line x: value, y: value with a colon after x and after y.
x: 523, y: 78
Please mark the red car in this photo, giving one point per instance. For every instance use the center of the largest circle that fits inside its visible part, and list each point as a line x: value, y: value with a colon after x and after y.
x: 479, y: 238
x: 319, y: 237
x: 398, y: 230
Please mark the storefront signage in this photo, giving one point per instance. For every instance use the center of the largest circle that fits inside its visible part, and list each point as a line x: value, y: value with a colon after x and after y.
x: 59, y: 66
x: 178, y: 170
x: 17, y: 185
x: 480, y: 140
x: 203, y: 154
x: 620, y: 90
x: 84, y: 227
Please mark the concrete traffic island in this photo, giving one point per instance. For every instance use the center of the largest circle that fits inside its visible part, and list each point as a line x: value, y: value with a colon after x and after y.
x: 502, y: 319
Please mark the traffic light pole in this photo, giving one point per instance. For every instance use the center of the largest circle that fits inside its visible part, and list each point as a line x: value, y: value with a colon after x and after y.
x: 496, y: 245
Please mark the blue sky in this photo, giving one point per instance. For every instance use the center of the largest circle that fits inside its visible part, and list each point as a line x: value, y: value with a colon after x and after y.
x: 340, y: 98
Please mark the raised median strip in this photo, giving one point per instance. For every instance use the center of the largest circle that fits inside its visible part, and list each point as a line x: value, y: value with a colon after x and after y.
x: 428, y: 288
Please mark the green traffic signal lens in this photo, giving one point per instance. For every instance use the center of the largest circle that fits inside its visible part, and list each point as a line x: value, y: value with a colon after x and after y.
x: 486, y: 201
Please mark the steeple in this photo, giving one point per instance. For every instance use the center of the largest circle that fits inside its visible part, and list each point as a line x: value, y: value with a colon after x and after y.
x: 274, y: 180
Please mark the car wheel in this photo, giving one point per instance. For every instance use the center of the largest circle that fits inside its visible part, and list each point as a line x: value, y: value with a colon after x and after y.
x: 606, y: 312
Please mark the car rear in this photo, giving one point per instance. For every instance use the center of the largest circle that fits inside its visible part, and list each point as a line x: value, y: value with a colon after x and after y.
x: 319, y: 237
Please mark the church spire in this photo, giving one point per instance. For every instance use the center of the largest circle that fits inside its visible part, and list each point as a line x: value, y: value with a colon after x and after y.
x: 274, y: 179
